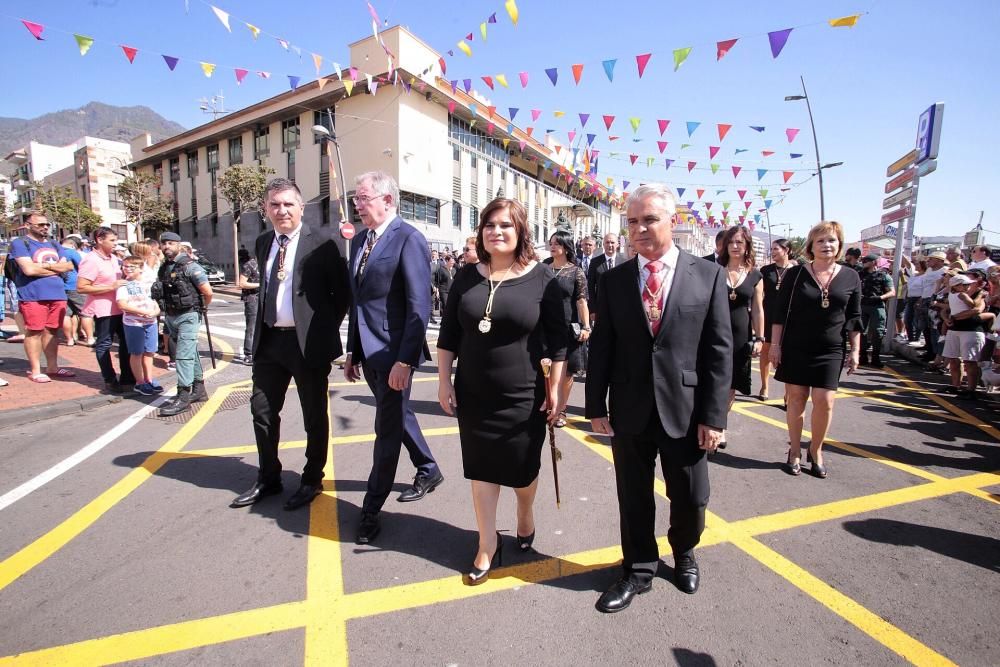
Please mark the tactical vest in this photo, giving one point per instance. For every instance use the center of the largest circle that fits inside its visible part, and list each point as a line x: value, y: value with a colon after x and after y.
x: 177, y: 292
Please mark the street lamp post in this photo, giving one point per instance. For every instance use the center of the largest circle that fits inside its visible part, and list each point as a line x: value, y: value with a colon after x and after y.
x: 812, y: 125
x: 328, y: 135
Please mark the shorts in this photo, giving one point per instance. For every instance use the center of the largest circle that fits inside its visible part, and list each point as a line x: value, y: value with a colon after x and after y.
x: 141, y: 339
x: 963, y: 345
x: 39, y: 315
x: 75, y: 302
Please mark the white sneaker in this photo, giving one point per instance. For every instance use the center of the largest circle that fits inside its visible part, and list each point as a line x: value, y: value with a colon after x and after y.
x: 3, y: 383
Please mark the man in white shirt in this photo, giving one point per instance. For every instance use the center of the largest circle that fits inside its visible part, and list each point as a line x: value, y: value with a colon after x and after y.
x: 981, y: 258
x: 935, y: 269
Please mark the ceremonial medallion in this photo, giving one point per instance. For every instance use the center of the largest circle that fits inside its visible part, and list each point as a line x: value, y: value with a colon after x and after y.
x: 485, y: 325
x: 282, y: 274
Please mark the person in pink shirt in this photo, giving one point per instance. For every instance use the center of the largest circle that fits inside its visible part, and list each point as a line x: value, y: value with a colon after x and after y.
x: 99, y: 278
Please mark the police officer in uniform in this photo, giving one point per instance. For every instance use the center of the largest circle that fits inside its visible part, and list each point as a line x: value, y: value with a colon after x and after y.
x: 183, y: 291
x: 876, y: 288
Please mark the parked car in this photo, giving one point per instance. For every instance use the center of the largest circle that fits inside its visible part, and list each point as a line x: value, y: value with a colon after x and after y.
x: 216, y: 276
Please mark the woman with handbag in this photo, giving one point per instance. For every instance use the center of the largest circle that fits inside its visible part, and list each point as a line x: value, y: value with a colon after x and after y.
x: 746, y: 307
x: 504, y: 315
x: 817, y: 303
x: 573, y: 283
x: 773, y: 276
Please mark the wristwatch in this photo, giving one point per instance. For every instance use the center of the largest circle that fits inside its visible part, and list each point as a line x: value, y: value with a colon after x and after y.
x: 403, y: 364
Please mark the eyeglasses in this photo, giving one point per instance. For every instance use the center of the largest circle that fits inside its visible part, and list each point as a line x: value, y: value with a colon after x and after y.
x: 362, y: 200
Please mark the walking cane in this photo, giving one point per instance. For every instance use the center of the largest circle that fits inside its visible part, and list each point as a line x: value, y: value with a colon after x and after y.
x: 556, y: 454
x: 208, y: 330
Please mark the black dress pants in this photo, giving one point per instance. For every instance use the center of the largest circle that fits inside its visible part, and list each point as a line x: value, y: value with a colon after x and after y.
x: 277, y: 362
x: 685, y: 469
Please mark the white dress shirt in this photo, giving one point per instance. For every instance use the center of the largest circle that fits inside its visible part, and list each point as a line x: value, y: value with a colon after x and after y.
x: 379, y: 231
x: 609, y: 261
x: 930, y: 280
x: 669, y: 260
x: 285, y: 314
x: 983, y: 264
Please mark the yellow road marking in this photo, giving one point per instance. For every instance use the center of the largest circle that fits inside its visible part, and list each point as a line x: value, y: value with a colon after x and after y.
x: 296, y: 444
x: 988, y: 429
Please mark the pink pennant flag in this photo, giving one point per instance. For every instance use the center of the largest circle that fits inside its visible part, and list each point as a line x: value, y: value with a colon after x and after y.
x: 608, y: 120
x: 791, y: 133
x: 535, y: 113
x: 129, y: 52
x: 633, y: 157
x: 691, y: 166
x: 577, y: 73
x: 736, y: 171
x: 489, y: 81
x: 662, y: 145
x: 767, y: 153
x: 641, y: 61
x: 708, y: 204
x: 723, y: 130
x: 723, y: 48
x: 521, y: 145
x: 787, y: 175
x: 489, y: 129
x: 741, y: 193
x: 712, y: 151
x: 264, y: 75
x: 240, y: 75
x: 524, y: 79
x: 747, y: 205
x: 35, y: 29
x: 451, y: 106
x: 572, y: 135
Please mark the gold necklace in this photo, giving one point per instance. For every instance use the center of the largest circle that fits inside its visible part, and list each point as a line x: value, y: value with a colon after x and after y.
x: 485, y: 324
x: 824, y: 289
x: 740, y: 275
x: 781, y: 276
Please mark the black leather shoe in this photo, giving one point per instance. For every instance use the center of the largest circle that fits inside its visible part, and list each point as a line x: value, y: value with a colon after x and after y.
x: 422, y: 485
x: 620, y: 595
x: 686, y: 574
x: 524, y: 543
x: 303, y: 496
x: 368, y: 528
x: 255, y: 493
x: 476, y: 575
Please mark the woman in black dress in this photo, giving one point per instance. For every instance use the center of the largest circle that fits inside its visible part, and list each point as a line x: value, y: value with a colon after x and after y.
x: 573, y: 282
x: 816, y: 304
x: 504, y: 315
x: 746, y: 307
x: 773, y: 276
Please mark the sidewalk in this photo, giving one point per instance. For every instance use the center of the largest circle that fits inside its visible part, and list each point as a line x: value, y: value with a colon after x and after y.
x: 24, y: 401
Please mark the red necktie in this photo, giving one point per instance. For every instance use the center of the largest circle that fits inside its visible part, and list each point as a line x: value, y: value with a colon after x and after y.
x: 652, y: 297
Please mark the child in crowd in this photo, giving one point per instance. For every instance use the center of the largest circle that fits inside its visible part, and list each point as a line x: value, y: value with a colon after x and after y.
x: 139, y: 313
x: 965, y: 339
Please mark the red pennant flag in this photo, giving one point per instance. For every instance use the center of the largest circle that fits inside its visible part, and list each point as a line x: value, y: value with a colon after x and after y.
x: 741, y: 193
x: 492, y: 111
x: 708, y: 204
x: 613, y: 137
x: 577, y: 73
x: 723, y: 48
x: 712, y: 150
x: 468, y: 37
x: 608, y: 120
x: 35, y: 29
x: 129, y: 52
x: 767, y: 153
x: 529, y: 130
x: 558, y: 148
x: 736, y: 171
x: 663, y: 126
x: 633, y: 157
x: 700, y: 193
x: 787, y: 175
x: 691, y: 166
x: 662, y: 145
x: 444, y: 66
x: 240, y: 75
x: 724, y: 130
x: 642, y: 61
x: 489, y: 81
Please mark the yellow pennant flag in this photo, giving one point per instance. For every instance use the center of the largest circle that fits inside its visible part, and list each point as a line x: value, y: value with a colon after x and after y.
x: 611, y: 182
x: 512, y: 11
x: 635, y: 123
x: 482, y: 29
x: 844, y: 21
x: 506, y: 142
x: 253, y: 29
x: 649, y: 161
x: 465, y: 48
x: 318, y: 61
x: 558, y: 114
x: 348, y: 86
x: 322, y: 81
x: 502, y: 80
x: 84, y: 43
x: 207, y: 68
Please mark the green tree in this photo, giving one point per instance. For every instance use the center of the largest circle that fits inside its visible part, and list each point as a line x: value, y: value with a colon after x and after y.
x: 798, y: 244
x: 63, y: 208
x: 145, y: 210
x: 243, y: 187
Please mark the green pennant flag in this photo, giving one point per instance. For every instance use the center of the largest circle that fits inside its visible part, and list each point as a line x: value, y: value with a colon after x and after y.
x: 84, y: 43
x: 680, y: 55
x: 714, y: 167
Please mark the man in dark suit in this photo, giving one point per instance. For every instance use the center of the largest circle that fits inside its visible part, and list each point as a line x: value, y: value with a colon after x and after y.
x: 305, y: 293
x: 606, y: 261
x: 714, y: 256
x: 390, y: 266
x: 443, y: 276
x: 663, y: 345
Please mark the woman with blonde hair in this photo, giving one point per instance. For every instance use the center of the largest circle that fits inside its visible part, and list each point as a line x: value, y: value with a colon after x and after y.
x: 817, y: 303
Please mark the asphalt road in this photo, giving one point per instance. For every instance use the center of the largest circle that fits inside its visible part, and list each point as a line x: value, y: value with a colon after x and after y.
x: 133, y: 555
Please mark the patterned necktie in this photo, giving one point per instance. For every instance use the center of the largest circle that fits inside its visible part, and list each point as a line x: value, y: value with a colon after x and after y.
x: 586, y: 264
x: 273, y: 280
x: 611, y: 263
x: 369, y: 244
x: 652, y: 296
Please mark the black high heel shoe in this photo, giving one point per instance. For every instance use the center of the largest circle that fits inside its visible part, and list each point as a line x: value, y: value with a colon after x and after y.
x: 477, y: 576
x: 524, y: 543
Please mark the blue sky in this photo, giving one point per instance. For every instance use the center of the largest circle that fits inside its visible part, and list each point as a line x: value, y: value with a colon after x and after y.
x: 867, y: 84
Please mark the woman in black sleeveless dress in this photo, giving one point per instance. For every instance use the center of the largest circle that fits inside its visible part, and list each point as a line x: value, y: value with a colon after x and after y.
x: 817, y: 303
x: 573, y: 282
x: 773, y: 275
x: 503, y: 316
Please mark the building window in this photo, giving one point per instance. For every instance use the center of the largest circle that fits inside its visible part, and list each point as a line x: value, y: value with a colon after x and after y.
x: 113, y: 201
x: 192, y: 164
x: 236, y: 150
x: 456, y: 215
x: 175, y: 169
x: 456, y: 153
x: 326, y: 120
x: 212, y: 157
x: 475, y: 162
x: 291, y: 165
x: 473, y: 218
x: 290, y: 134
x: 261, y: 143
x: 419, y: 208
x: 158, y: 175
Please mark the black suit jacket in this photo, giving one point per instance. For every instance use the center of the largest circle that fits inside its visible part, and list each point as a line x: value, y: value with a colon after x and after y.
x: 684, y: 373
x: 711, y: 257
x: 598, y: 265
x: 443, y: 278
x: 321, y: 296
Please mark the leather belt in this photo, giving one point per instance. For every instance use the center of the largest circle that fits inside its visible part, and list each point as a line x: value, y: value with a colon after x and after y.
x: 281, y: 328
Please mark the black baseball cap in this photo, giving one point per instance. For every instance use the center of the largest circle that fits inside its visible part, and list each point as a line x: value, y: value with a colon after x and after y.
x: 169, y: 236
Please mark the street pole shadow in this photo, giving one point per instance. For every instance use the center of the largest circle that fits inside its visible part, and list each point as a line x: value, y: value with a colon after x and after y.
x: 685, y: 657
x: 979, y: 550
